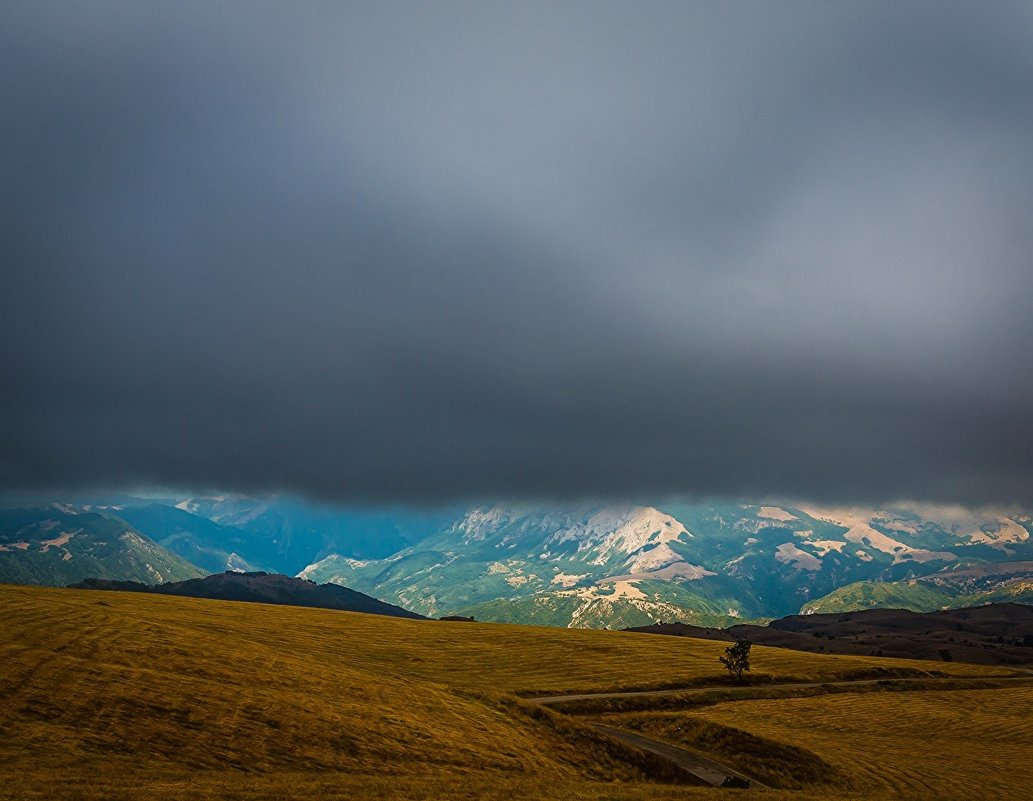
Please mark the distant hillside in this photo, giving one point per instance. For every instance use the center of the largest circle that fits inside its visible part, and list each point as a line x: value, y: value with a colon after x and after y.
x: 203, y: 542
x: 55, y: 546
x: 971, y: 586
x: 268, y: 588
x: 220, y: 532
x: 996, y: 634
x: 911, y: 595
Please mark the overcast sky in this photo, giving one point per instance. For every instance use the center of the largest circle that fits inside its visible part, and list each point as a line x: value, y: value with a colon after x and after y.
x: 411, y: 251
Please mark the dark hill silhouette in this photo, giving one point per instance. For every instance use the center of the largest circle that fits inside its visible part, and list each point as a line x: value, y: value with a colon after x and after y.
x: 995, y: 634
x: 259, y: 587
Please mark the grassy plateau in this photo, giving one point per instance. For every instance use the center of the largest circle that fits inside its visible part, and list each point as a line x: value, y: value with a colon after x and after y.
x: 126, y: 696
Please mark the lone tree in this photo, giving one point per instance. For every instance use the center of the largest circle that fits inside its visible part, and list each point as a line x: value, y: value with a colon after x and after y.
x: 737, y: 658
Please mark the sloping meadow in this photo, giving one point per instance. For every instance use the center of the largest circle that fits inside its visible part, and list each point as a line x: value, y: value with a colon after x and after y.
x: 108, y: 695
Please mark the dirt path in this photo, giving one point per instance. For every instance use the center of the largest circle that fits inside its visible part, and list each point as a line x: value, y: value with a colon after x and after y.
x: 700, y: 766
x: 558, y: 699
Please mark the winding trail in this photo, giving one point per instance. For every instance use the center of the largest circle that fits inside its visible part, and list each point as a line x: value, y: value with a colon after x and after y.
x: 747, y: 688
x: 707, y: 769
x: 698, y: 765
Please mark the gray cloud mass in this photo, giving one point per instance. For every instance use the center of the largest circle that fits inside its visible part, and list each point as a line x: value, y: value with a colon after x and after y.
x: 400, y: 251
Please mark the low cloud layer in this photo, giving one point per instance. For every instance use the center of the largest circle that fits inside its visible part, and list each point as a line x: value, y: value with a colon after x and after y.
x: 423, y: 251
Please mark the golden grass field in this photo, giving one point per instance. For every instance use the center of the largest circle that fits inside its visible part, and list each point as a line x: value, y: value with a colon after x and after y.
x: 126, y: 696
x: 965, y: 744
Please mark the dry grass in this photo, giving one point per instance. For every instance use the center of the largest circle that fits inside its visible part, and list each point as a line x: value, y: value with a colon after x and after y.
x: 932, y: 744
x: 108, y: 696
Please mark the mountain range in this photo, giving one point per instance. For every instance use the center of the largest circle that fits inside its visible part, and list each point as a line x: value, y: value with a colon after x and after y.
x: 709, y: 564
x: 582, y: 565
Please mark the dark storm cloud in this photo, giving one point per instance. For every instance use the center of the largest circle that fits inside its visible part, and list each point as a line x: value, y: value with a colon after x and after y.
x: 387, y: 250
